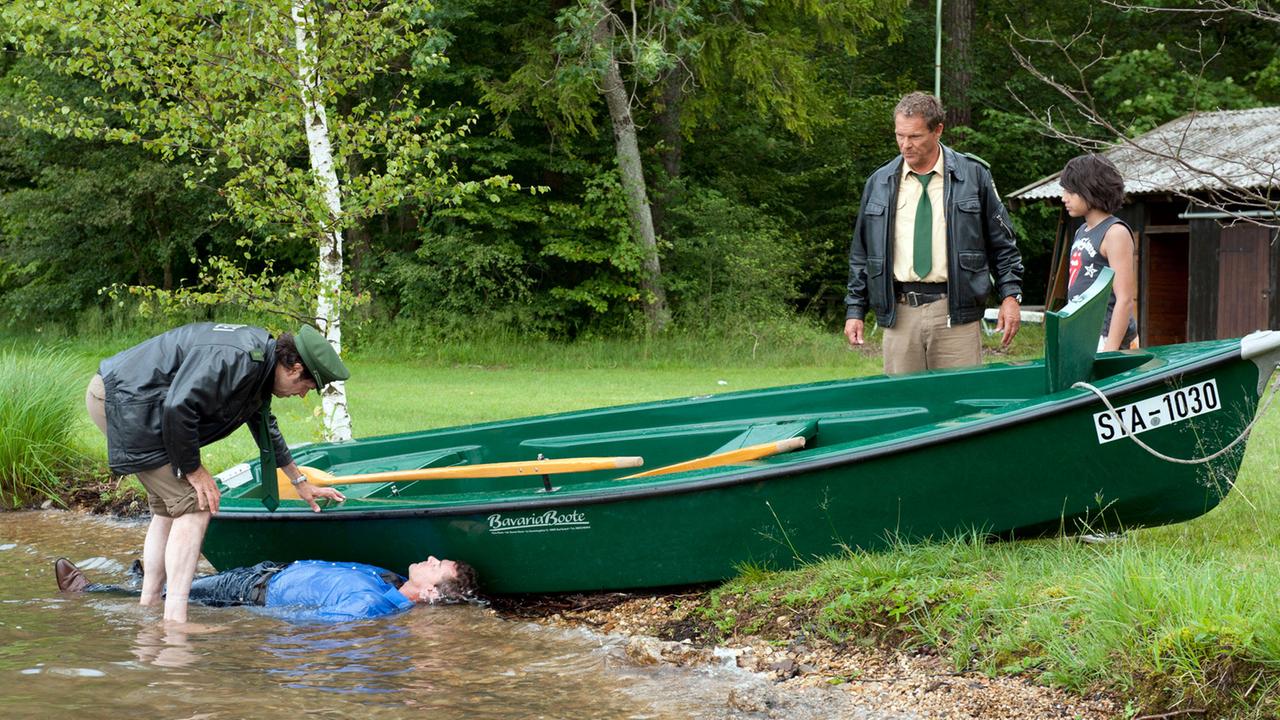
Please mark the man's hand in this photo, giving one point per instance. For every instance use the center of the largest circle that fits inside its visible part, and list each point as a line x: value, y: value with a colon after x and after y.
x: 309, y: 493
x: 1009, y: 320
x: 207, y: 495
x: 853, y: 331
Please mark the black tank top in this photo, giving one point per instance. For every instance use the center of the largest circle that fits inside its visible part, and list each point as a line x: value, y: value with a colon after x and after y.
x: 1086, y: 262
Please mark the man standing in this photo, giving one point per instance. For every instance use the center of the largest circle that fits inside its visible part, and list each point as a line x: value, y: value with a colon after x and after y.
x: 931, y: 232
x: 159, y: 402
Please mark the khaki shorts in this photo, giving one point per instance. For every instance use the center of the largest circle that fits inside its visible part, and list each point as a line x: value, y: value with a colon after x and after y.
x: 167, y: 494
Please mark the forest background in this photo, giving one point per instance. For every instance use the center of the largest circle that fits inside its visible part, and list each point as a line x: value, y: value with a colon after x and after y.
x: 757, y: 123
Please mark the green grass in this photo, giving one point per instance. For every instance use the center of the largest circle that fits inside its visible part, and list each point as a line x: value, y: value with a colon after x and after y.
x: 1176, y: 618
x: 39, y: 414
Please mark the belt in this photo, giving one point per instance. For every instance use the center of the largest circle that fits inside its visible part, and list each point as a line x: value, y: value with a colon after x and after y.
x: 916, y: 294
x: 258, y: 591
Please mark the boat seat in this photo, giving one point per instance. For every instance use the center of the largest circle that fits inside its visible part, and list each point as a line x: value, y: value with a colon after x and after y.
x: 1071, y: 335
x: 770, y: 432
x: 442, y: 457
x: 758, y: 441
x: 654, y: 440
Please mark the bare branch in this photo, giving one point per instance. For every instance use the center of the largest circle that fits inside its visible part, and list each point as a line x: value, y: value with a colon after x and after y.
x: 1250, y: 197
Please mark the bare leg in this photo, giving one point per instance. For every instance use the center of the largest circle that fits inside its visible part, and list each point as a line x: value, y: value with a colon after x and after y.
x: 153, y: 552
x: 180, y: 560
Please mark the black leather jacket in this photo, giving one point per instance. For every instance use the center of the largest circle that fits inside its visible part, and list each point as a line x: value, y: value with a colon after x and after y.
x: 184, y: 389
x: 980, y: 242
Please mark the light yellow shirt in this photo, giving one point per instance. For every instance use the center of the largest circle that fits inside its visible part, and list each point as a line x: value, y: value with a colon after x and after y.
x: 904, y: 226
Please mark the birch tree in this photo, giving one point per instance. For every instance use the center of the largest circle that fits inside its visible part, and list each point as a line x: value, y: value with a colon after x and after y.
x: 329, y: 265
x: 248, y: 92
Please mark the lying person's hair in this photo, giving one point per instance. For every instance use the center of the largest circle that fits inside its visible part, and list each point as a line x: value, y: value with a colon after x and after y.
x: 458, y: 589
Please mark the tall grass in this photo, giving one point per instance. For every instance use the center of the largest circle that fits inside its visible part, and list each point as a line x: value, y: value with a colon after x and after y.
x: 38, y: 419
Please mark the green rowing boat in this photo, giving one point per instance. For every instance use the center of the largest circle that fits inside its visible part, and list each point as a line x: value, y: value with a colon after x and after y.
x: 692, y: 490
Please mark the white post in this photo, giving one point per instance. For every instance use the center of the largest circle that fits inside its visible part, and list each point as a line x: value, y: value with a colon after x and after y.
x: 337, y: 421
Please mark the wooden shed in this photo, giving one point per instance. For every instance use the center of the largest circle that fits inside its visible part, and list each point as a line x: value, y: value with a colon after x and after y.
x: 1205, y: 270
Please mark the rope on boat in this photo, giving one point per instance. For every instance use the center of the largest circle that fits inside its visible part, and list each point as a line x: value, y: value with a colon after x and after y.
x: 1266, y: 403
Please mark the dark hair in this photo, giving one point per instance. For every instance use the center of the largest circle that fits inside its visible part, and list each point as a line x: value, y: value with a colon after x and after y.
x: 460, y: 588
x: 287, y: 355
x: 918, y: 104
x: 1095, y: 179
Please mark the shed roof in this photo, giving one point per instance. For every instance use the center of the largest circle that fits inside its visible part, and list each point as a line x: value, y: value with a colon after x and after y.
x: 1200, y: 151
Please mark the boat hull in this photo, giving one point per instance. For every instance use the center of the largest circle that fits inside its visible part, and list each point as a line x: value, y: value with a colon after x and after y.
x: 1022, y: 469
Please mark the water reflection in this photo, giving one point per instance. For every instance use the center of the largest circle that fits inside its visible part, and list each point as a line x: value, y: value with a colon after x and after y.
x: 105, y: 656
x: 164, y: 646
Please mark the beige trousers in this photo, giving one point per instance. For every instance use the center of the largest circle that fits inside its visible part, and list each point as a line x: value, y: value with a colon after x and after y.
x: 921, y: 339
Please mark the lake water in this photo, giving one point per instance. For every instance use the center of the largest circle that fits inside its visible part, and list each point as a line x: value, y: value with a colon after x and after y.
x: 100, y: 656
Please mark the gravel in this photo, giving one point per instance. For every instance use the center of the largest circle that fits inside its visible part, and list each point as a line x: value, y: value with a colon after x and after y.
x: 872, y: 682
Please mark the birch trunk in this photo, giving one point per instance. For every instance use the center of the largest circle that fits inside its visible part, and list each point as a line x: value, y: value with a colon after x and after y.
x: 337, y: 420
x: 633, y: 185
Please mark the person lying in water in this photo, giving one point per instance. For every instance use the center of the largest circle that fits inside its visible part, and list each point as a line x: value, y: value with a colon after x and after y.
x: 312, y: 589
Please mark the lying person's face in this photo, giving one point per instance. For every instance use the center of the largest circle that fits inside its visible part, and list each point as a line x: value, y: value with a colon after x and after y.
x: 429, y: 573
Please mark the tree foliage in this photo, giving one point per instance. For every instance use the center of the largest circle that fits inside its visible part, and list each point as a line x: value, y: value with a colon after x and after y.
x: 218, y: 87
x: 756, y: 123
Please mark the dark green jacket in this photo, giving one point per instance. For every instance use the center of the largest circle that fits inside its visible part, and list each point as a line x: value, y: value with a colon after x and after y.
x: 980, y: 242
x: 184, y: 389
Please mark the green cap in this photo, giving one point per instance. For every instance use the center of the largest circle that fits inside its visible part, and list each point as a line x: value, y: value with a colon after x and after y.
x: 319, y: 356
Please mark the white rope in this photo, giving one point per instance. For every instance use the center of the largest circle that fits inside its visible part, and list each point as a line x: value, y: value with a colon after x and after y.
x: 1266, y: 403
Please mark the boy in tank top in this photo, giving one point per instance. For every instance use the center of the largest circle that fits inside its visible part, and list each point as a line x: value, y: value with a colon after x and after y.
x: 1093, y: 189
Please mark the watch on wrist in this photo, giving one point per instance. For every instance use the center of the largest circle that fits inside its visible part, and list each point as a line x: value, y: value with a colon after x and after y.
x: 1017, y: 297
x: 298, y: 480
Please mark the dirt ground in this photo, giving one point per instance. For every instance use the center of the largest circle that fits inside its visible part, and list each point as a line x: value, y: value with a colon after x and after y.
x: 665, y: 628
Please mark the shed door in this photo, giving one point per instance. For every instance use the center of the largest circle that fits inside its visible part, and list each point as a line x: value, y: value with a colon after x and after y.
x: 1243, y: 280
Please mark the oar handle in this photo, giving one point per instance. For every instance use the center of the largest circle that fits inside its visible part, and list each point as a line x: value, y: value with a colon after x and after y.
x: 485, y: 470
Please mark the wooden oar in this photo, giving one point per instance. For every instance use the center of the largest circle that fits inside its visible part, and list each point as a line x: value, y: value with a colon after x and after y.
x: 729, y: 457
x: 535, y: 468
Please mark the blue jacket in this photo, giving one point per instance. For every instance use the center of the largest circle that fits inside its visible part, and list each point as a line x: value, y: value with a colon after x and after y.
x: 321, y: 590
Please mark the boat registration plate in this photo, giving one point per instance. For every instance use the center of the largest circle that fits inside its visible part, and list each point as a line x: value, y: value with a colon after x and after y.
x: 1154, y: 412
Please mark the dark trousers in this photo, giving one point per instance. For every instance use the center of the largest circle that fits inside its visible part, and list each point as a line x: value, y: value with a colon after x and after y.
x: 238, y: 586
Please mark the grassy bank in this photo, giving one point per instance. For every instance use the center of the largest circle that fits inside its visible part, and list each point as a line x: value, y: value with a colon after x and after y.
x: 39, y: 418
x: 1178, y: 619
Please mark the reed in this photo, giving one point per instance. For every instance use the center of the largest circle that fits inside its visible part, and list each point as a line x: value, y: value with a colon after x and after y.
x: 38, y: 421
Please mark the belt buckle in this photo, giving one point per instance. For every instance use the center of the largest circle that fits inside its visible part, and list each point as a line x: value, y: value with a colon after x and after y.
x: 913, y: 298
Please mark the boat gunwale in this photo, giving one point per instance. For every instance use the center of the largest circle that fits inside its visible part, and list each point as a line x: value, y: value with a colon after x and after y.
x: 749, y: 475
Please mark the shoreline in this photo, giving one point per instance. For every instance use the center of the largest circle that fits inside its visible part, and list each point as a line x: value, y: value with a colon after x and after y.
x: 665, y: 628
x: 668, y: 627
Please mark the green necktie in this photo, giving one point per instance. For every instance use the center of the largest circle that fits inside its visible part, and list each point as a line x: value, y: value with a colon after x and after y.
x: 267, y: 460
x: 923, y: 247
